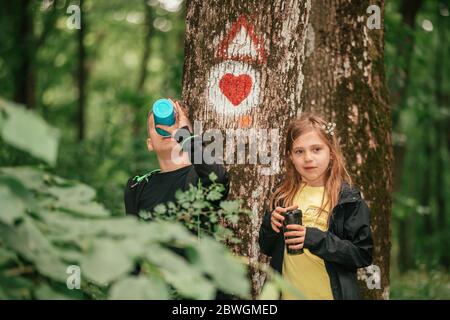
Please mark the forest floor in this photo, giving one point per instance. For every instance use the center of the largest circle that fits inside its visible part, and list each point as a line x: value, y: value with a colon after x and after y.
x: 420, y: 284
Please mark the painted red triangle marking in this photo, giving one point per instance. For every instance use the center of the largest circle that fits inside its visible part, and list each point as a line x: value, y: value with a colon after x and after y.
x: 241, y: 22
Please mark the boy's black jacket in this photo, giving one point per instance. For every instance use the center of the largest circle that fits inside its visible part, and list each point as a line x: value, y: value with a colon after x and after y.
x: 345, y: 247
x: 161, y: 187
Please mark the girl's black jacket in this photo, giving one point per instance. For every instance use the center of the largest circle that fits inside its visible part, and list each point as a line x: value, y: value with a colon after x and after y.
x: 346, y: 246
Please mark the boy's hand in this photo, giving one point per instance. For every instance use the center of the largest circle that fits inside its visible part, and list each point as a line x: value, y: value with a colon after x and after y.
x: 297, y: 231
x: 276, y: 220
x: 181, y: 119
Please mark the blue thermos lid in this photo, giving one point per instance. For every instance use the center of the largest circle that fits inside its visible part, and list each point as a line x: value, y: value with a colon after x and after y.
x: 163, y: 113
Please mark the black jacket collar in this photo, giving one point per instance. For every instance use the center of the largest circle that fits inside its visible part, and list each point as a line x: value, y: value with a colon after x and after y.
x: 348, y: 194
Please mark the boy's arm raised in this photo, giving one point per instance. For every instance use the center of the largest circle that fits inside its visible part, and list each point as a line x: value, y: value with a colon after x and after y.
x: 193, y: 145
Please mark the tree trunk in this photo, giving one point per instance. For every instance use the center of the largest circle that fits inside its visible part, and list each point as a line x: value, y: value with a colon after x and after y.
x: 254, y: 65
x: 82, y: 76
x: 27, y: 43
x: 146, y: 53
x: 429, y: 147
x: 401, y: 78
x: 148, y: 33
x: 409, y: 10
x: 442, y: 131
x: 24, y: 76
x: 345, y: 80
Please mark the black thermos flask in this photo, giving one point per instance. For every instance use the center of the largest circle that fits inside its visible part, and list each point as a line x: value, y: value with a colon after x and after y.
x: 292, y: 217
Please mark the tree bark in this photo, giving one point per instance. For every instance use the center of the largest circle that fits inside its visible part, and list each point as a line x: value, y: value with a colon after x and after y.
x: 148, y: 33
x: 442, y: 132
x: 146, y: 52
x: 27, y: 43
x: 24, y: 76
x: 409, y: 10
x: 298, y: 56
x: 82, y: 76
x: 401, y: 79
x: 345, y: 80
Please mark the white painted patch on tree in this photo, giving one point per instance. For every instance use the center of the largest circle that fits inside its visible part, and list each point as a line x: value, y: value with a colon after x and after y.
x: 310, y: 40
x: 241, y: 46
x: 234, y: 85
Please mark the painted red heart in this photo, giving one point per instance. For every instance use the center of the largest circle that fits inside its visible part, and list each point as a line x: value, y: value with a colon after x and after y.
x: 235, y: 88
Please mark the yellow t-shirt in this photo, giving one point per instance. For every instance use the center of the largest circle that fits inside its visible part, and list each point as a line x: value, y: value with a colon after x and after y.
x: 307, y: 271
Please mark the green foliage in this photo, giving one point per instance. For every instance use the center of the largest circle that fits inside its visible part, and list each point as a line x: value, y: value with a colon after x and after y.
x: 58, y: 224
x: 40, y: 139
x: 417, y: 69
x: 48, y: 223
x: 198, y: 209
x: 421, y: 284
x: 114, y: 148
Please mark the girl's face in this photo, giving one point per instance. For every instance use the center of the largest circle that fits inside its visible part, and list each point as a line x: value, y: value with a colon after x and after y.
x: 311, y: 157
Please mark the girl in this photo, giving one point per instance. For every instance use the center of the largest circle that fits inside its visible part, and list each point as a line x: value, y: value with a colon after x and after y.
x: 335, y: 234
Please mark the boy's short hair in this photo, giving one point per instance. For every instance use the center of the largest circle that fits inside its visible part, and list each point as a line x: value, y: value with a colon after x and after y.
x: 149, y: 114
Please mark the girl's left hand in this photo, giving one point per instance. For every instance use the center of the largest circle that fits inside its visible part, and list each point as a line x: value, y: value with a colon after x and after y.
x: 299, y: 232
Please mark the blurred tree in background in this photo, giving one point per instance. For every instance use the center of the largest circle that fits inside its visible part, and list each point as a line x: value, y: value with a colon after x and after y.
x: 96, y: 86
x: 418, y: 65
x: 132, y: 54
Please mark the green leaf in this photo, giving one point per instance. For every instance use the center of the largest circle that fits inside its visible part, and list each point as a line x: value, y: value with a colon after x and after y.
x: 15, y: 287
x: 67, y: 227
x: 230, y: 206
x: 183, y: 276
x: 29, y: 242
x: 76, y: 193
x: 32, y: 178
x: 25, y: 130
x: 46, y: 292
x: 233, y: 219
x: 139, y: 288
x: 212, y: 177
x: 160, y: 209
x: 284, y: 285
x: 167, y: 232
x: 91, y: 209
x: 214, y: 195
x: 226, y: 270
x: 105, y: 262
x: 6, y: 256
x: 223, y: 234
x: 269, y: 292
x: 199, y: 204
x: 13, y: 200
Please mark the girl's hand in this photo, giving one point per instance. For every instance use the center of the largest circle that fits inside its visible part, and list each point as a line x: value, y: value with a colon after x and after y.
x: 276, y: 219
x: 297, y: 231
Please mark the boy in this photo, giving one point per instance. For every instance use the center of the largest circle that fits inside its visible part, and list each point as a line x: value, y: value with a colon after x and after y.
x: 177, y: 168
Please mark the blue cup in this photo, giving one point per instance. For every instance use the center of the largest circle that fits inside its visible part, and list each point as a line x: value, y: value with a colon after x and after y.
x: 163, y: 113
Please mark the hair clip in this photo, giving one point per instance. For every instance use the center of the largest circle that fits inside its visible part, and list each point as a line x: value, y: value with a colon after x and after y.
x: 329, y: 128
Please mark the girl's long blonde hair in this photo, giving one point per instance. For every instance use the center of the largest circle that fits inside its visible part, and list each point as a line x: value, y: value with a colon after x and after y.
x: 336, y: 173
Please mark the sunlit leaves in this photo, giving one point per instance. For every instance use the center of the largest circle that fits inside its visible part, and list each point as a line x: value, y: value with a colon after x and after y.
x: 39, y: 139
x: 51, y: 223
